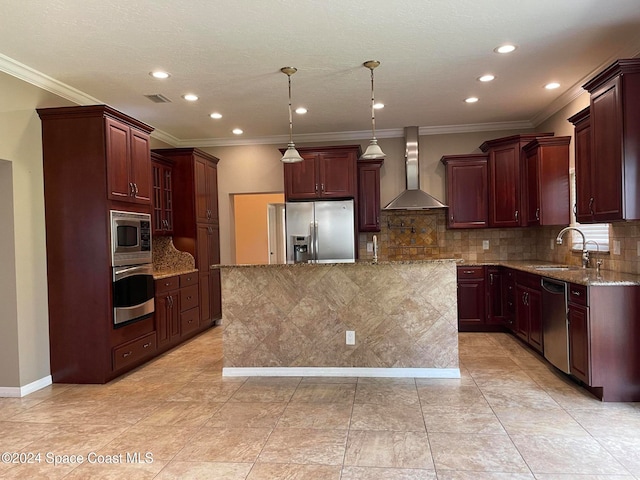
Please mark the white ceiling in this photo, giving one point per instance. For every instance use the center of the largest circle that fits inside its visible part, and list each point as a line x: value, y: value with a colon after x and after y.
x: 230, y: 54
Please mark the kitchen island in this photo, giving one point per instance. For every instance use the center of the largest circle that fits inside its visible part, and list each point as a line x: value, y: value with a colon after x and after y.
x: 284, y: 320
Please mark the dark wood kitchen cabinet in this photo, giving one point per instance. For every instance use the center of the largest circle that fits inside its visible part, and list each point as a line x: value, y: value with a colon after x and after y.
x: 167, y: 314
x: 509, y: 298
x: 578, y: 315
x: 507, y: 200
x: 495, y: 298
x: 467, y: 195
x: 528, y: 323
x: 369, y: 195
x: 615, y: 142
x: 326, y: 172
x: 89, y: 152
x: 547, y: 181
x: 582, y: 151
x: 471, y: 298
x: 196, y: 222
x: 162, y: 173
x: 128, y: 161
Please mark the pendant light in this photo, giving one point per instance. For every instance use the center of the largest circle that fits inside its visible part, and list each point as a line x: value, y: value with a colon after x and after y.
x: 291, y: 155
x: 373, y: 151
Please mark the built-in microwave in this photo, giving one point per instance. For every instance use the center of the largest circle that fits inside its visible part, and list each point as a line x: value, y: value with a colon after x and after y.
x: 130, y: 238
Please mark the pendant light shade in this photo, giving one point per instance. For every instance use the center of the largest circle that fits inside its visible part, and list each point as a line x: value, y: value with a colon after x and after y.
x: 291, y: 155
x: 373, y: 151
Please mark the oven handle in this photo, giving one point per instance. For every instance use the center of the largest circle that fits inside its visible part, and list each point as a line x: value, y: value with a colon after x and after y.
x: 123, y: 272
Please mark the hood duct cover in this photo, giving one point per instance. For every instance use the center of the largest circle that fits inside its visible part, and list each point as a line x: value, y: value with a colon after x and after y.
x: 413, y: 198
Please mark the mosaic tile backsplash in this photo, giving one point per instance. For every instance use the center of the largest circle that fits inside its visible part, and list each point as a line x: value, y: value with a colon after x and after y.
x: 422, y: 235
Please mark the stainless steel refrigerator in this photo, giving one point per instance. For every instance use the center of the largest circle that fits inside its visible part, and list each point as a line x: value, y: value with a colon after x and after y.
x: 320, y: 232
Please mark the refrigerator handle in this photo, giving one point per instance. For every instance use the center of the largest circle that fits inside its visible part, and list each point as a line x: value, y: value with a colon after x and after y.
x: 315, y: 241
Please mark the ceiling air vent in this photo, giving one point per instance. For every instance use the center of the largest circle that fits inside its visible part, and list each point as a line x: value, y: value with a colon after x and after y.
x: 158, y: 98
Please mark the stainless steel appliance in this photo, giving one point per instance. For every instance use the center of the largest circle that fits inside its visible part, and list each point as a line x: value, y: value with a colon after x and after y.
x: 130, y: 238
x: 325, y: 229
x: 133, y: 293
x: 555, y: 325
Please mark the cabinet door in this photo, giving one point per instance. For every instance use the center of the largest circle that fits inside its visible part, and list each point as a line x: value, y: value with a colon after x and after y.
x: 534, y: 303
x: 212, y: 191
x: 509, y: 296
x: 337, y: 174
x: 140, y: 165
x: 504, y: 186
x: 369, y: 196
x: 522, y: 313
x: 583, y: 207
x: 467, y: 194
x: 202, y: 248
x: 118, y: 152
x: 161, y: 315
x: 532, y: 173
x: 174, y: 319
x: 301, y: 179
x: 205, y: 299
x: 579, y: 355
x: 471, y: 304
x: 495, y: 304
x: 167, y: 198
x: 202, y: 203
x: 162, y: 199
x: 606, y: 151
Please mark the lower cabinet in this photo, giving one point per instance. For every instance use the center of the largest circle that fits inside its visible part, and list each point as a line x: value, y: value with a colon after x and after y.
x: 471, y: 298
x: 134, y: 351
x: 529, y: 310
x: 495, y: 298
x: 579, y: 355
x: 509, y: 298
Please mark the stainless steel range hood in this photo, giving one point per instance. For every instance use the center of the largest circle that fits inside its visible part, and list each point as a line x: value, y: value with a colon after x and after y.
x: 413, y: 198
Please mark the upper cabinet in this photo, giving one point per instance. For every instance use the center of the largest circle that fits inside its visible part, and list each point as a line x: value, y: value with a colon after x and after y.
x: 128, y: 162
x: 615, y: 143
x: 206, y: 191
x: 582, y: 146
x: 546, y: 162
x: 506, y: 193
x: 369, y: 195
x: 162, y: 174
x: 467, y: 190
x: 326, y: 172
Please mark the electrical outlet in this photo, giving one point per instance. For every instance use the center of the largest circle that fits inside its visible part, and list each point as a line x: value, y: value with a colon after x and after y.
x: 552, y: 244
x: 485, y: 244
x: 369, y: 247
x: 351, y: 337
x: 639, y: 248
x: 616, y: 247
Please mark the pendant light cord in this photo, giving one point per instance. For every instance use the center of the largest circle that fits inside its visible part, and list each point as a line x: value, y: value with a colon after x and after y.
x: 290, y: 115
x: 373, y: 116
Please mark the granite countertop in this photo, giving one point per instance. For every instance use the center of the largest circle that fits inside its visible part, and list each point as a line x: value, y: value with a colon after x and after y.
x: 575, y: 274
x: 160, y: 274
x: 358, y: 262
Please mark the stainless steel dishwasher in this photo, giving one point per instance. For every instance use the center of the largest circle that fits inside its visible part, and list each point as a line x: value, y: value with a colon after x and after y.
x: 555, y: 325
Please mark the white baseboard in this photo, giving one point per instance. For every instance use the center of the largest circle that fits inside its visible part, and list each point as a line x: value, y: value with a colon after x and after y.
x: 27, y: 389
x: 340, y: 372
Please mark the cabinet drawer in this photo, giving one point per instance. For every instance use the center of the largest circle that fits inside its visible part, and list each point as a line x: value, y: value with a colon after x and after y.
x: 578, y: 294
x: 189, y: 320
x: 134, y: 351
x: 188, y: 298
x: 470, y: 272
x: 528, y: 280
x: 166, y: 284
x: 187, y: 279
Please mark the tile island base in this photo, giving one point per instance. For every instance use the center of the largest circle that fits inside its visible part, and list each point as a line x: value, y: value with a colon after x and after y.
x: 291, y: 320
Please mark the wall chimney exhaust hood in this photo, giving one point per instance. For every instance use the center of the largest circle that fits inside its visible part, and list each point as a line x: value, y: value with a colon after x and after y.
x: 413, y: 198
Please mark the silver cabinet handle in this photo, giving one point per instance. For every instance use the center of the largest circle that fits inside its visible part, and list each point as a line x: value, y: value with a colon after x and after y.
x: 468, y: 272
x: 451, y: 218
x: 126, y: 354
x: 322, y: 187
x: 316, y: 188
x: 491, y: 279
x: 591, y: 205
x: 135, y: 187
x: 516, y: 215
x: 576, y: 293
x: 146, y: 345
x: 538, y: 213
x: 575, y: 209
x: 131, y: 189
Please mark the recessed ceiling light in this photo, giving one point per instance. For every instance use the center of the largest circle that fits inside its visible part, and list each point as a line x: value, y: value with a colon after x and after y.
x: 301, y: 110
x: 471, y: 99
x: 378, y: 106
x: 216, y: 115
x: 552, y: 85
x: 486, y: 78
x: 505, y: 48
x: 159, y: 74
x: 190, y: 97
x: 237, y: 131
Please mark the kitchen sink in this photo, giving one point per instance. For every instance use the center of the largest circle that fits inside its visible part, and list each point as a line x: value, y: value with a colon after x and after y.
x: 556, y: 267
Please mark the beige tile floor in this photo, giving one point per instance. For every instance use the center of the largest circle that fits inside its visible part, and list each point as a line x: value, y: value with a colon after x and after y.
x: 510, y: 416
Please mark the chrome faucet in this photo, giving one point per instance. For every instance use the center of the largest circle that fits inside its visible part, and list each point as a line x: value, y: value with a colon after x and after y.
x: 585, y: 252
x: 598, y: 261
x: 375, y: 249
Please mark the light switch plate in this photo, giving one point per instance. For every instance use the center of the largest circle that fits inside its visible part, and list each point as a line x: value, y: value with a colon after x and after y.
x: 485, y: 244
x: 351, y: 337
x: 616, y: 247
x: 369, y: 247
x: 639, y: 248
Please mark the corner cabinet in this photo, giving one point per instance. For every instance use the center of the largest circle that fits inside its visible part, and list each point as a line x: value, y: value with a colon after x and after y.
x: 369, y: 195
x: 95, y: 159
x: 615, y: 142
x: 466, y: 190
x: 507, y: 200
x: 326, y: 172
x: 546, y: 162
x: 196, y: 224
